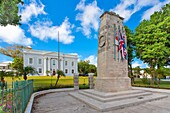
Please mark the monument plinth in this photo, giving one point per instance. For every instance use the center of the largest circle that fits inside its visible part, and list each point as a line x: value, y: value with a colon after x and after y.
x: 112, y: 66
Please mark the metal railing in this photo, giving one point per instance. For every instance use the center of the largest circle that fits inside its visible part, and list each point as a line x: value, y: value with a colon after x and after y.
x: 15, y: 99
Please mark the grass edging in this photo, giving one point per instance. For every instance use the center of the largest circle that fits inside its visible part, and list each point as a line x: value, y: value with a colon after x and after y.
x: 30, y: 103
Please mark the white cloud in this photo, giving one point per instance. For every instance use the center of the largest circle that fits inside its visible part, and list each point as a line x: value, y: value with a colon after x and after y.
x: 88, y: 17
x: 73, y: 54
x: 150, y: 11
x: 45, y: 30
x: 33, y: 9
x: 14, y: 35
x: 92, y: 59
x: 140, y: 64
x: 127, y: 8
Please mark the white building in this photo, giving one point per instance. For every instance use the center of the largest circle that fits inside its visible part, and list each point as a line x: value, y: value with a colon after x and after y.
x: 44, y: 61
x: 5, y: 66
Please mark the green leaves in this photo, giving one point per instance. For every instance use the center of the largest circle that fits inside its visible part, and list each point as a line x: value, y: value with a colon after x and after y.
x: 60, y: 73
x: 29, y: 70
x: 9, y: 12
x: 17, y: 64
x: 152, y: 38
x: 130, y: 45
x: 84, y: 67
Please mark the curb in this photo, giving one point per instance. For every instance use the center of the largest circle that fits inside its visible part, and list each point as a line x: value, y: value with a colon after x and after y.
x: 30, y: 103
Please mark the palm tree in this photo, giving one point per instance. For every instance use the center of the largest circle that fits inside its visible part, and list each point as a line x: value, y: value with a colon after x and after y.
x: 59, y: 73
x: 28, y: 70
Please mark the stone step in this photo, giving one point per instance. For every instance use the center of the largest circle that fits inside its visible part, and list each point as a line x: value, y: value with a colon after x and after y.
x: 114, y: 98
x: 117, y: 104
x: 108, y: 95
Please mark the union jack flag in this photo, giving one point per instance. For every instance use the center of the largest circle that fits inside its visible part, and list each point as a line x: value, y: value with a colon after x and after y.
x: 122, y: 46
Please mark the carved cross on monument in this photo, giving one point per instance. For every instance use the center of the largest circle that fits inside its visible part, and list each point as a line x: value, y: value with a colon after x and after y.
x: 112, y: 66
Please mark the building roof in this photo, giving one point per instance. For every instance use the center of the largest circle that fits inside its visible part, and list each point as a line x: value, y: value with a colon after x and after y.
x: 6, y: 63
x: 44, y: 53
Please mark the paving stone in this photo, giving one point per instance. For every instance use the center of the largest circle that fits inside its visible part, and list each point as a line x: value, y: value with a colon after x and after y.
x: 64, y: 103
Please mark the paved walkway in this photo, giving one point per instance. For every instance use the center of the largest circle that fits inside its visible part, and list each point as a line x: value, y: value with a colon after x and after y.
x: 61, y: 102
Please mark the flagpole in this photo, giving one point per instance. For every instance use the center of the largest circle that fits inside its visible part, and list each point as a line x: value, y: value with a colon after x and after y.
x: 58, y: 52
x: 115, y: 42
x: 118, y: 43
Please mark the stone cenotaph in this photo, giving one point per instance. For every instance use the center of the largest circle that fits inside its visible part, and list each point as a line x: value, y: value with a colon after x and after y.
x: 112, y: 65
x: 113, y: 87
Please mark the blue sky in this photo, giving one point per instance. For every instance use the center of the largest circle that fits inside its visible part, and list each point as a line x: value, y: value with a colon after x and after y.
x: 77, y: 22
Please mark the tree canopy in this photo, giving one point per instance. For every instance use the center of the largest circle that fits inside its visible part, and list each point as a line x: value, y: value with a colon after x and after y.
x: 84, y: 67
x: 17, y: 63
x: 153, y: 38
x: 13, y: 51
x: 18, y: 66
x: 130, y: 45
x: 130, y: 48
x: 9, y: 12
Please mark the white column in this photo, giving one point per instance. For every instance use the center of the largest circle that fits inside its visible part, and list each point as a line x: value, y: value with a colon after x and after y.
x: 49, y: 64
x: 45, y: 64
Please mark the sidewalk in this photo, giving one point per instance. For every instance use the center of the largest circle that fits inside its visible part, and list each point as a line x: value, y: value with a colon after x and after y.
x: 61, y: 102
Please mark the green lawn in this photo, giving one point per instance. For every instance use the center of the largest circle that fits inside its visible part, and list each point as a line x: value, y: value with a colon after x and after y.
x: 163, y: 84
x: 44, y: 82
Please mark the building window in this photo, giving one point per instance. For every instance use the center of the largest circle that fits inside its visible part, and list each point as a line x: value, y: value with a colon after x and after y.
x: 39, y: 61
x: 72, y: 71
x: 53, y: 62
x: 72, y: 63
x: 65, y: 63
x: 66, y: 71
x: 39, y: 70
x: 30, y: 60
x: 3, y: 67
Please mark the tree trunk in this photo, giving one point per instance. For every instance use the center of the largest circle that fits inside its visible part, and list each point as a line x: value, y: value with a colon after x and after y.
x: 152, y: 74
x: 25, y: 76
x: 158, y: 81
x: 132, y: 77
x: 58, y: 77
